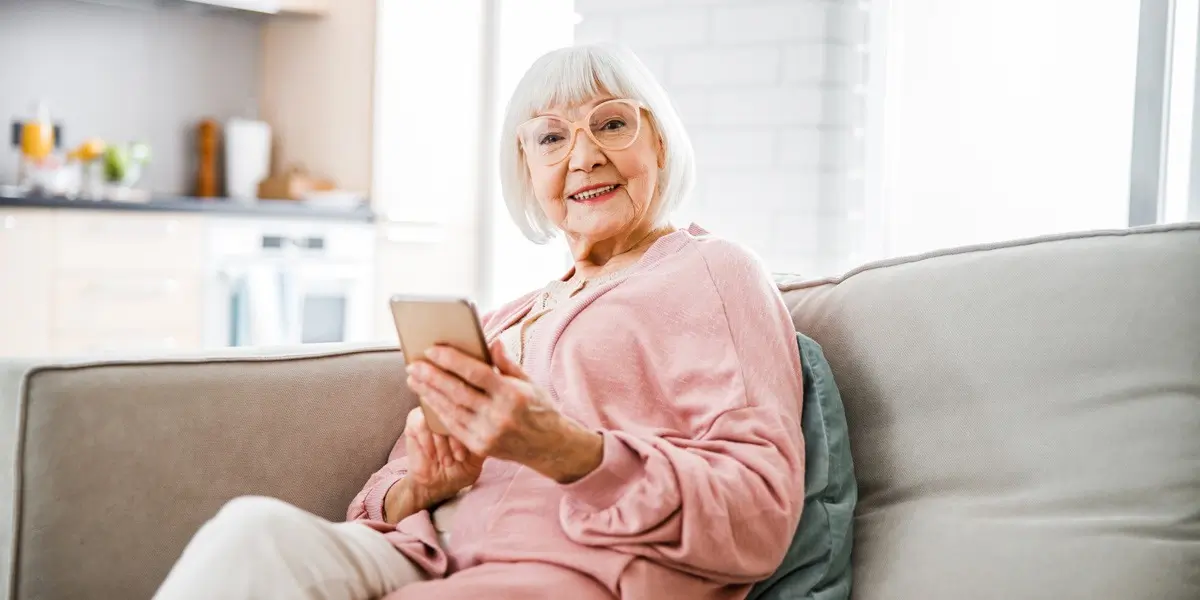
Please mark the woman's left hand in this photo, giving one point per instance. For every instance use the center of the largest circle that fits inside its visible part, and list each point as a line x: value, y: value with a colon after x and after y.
x: 499, y: 412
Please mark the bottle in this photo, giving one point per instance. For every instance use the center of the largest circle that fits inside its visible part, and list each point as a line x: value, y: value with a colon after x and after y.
x: 37, y: 136
x: 40, y: 169
x: 206, y: 171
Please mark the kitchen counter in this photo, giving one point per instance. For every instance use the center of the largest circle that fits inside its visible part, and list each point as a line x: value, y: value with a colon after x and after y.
x: 288, y: 209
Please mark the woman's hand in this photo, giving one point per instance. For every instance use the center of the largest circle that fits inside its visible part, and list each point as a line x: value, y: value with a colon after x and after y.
x: 499, y: 412
x: 438, y: 468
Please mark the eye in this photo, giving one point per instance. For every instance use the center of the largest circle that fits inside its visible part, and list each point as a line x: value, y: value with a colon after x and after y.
x: 549, y: 138
x: 612, y: 124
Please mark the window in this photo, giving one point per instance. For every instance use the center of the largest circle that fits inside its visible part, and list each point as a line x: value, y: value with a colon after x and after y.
x: 998, y: 120
x: 523, y: 31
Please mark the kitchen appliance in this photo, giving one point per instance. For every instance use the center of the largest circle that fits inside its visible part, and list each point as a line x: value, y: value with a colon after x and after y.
x: 247, y: 157
x: 279, y: 282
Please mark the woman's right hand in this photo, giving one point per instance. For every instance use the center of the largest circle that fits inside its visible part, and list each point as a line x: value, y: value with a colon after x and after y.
x: 439, y: 466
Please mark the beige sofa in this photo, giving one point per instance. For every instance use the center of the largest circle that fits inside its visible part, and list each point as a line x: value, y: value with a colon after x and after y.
x: 1025, y: 422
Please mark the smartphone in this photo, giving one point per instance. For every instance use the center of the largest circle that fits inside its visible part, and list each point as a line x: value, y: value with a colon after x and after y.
x: 425, y: 321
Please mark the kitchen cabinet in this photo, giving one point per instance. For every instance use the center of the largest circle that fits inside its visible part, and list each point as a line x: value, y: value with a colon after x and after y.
x: 79, y: 282
x: 26, y: 256
x: 121, y: 309
x: 126, y: 282
x: 86, y: 282
x: 307, y: 7
x: 265, y: 6
x: 310, y: 7
x: 128, y: 241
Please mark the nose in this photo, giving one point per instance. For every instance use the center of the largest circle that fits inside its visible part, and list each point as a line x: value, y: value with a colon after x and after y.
x: 586, y: 155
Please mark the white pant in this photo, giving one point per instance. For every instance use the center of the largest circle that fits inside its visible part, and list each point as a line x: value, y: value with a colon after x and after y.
x: 258, y: 547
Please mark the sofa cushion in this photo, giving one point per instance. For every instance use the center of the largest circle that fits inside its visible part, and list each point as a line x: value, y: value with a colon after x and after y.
x: 1024, y: 416
x: 817, y: 564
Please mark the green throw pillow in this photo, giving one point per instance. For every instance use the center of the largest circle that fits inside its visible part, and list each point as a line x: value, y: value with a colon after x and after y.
x: 817, y: 564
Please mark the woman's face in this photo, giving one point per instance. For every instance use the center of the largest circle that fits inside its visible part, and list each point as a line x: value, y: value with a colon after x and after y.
x: 588, y: 219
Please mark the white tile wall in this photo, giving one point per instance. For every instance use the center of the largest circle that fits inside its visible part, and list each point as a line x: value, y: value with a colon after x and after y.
x: 769, y: 92
x: 773, y: 22
x: 757, y: 64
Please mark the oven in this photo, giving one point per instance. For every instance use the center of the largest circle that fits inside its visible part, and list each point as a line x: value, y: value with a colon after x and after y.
x: 282, y: 283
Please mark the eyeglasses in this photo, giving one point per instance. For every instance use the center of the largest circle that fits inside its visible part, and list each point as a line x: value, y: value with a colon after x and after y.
x: 612, y: 125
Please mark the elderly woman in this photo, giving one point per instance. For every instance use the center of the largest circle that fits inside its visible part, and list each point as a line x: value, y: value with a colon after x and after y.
x: 639, y: 436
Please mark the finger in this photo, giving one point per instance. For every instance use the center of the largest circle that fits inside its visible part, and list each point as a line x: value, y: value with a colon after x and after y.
x: 458, y: 449
x: 425, y: 440
x: 418, y: 454
x: 477, y: 438
x: 411, y: 422
x: 443, y: 450
x: 412, y: 429
x: 504, y: 362
x: 464, y: 425
x: 468, y: 368
x: 411, y: 443
x: 452, y: 387
x: 454, y: 417
x: 416, y: 465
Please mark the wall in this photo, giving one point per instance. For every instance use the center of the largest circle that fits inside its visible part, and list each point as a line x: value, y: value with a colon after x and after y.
x: 317, y: 88
x: 770, y: 92
x: 137, y: 72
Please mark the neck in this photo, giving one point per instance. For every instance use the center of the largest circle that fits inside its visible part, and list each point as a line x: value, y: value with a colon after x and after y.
x: 606, y: 256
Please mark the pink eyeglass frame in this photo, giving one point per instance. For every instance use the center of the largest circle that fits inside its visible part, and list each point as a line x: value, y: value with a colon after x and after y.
x: 575, y: 126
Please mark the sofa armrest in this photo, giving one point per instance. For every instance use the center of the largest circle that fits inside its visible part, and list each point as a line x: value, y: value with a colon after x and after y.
x: 112, y: 465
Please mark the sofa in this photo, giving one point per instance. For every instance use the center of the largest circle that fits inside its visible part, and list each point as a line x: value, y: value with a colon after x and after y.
x: 1024, y: 420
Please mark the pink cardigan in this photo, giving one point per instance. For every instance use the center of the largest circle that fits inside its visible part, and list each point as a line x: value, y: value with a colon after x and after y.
x: 688, y: 367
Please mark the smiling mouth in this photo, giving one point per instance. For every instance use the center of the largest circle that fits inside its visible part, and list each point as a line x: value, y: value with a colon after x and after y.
x: 594, y: 193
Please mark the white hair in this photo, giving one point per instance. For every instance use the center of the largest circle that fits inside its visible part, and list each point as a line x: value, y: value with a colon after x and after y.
x: 575, y: 75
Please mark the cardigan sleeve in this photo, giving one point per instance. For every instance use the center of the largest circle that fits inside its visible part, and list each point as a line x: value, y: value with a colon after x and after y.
x: 713, y: 483
x: 414, y: 536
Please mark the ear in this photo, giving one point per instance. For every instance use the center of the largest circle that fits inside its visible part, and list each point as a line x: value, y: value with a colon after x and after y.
x: 662, y: 153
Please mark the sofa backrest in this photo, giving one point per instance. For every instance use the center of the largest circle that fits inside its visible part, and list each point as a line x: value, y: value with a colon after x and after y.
x: 113, y: 465
x: 1024, y: 417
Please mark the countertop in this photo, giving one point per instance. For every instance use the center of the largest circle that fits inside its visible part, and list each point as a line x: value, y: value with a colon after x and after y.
x: 288, y: 209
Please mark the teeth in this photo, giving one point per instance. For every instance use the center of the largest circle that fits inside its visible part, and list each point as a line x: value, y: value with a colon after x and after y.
x: 596, y: 192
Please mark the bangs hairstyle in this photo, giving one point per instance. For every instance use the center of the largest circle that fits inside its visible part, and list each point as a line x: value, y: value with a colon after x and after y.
x: 576, y: 75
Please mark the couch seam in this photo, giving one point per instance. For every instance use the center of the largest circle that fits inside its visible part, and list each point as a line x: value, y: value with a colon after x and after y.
x: 980, y: 249
x: 203, y: 360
